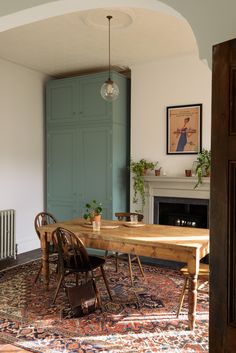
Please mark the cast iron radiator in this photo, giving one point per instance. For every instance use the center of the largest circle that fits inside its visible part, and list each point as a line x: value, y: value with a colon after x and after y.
x: 7, y: 234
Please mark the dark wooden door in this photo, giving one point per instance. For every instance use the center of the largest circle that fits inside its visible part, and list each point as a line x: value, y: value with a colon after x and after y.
x: 223, y: 201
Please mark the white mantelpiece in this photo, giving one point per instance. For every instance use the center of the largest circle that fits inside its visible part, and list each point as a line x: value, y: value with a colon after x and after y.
x: 172, y: 187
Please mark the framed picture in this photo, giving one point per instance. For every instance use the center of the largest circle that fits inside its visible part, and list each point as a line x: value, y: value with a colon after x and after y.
x: 184, y: 129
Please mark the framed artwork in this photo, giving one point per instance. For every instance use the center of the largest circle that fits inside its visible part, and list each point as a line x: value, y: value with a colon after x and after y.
x: 184, y: 129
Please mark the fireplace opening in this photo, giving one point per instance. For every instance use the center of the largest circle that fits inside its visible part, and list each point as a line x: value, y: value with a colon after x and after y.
x: 183, y: 212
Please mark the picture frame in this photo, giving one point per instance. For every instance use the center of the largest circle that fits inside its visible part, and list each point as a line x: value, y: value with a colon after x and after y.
x: 184, y: 129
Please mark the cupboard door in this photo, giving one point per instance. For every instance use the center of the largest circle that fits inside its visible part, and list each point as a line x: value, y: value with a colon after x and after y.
x: 93, y: 108
x: 61, y: 101
x: 61, y: 171
x: 120, y: 170
x: 95, y: 168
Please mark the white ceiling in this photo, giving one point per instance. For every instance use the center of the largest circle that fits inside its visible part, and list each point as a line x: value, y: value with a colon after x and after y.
x: 78, y: 42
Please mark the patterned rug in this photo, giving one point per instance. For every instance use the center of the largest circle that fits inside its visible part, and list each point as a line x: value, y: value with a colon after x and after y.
x: 141, y: 318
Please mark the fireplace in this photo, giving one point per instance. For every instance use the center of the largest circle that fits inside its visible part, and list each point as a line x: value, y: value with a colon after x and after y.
x: 177, y: 196
x: 181, y: 211
x: 175, y: 200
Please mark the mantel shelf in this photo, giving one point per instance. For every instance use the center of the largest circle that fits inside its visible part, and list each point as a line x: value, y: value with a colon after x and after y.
x: 177, y: 179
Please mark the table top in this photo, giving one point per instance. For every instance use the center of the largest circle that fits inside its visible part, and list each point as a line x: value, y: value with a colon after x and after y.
x: 149, y: 234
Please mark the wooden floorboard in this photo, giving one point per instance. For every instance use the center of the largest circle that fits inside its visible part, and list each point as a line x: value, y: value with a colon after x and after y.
x: 20, y: 259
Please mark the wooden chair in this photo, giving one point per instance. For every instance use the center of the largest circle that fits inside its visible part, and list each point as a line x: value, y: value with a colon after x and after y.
x: 73, y: 258
x: 125, y: 216
x: 203, y: 273
x: 42, y: 219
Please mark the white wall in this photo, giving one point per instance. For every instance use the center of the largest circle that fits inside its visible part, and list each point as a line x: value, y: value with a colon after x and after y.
x: 21, y: 148
x: 154, y: 86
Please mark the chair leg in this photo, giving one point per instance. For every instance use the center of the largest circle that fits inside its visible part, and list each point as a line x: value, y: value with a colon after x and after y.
x: 58, y: 287
x: 117, y: 259
x: 202, y: 285
x: 140, y: 266
x: 182, y: 296
x: 99, y: 301
x: 39, y: 271
x: 105, y: 281
x: 106, y: 253
x: 130, y: 270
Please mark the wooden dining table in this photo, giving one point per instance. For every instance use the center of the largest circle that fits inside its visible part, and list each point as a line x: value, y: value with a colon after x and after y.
x: 181, y: 244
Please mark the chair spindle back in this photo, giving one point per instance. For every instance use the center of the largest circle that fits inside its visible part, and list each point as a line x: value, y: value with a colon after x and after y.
x: 43, y: 219
x: 125, y: 216
x: 71, y: 250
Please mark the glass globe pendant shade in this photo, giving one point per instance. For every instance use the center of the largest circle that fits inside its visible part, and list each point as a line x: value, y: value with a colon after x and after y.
x: 109, y: 90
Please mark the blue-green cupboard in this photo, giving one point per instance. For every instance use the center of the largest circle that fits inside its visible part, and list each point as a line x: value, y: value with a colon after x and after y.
x: 87, y: 146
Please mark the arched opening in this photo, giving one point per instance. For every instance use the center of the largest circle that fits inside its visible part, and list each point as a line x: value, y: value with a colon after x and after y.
x: 157, y: 82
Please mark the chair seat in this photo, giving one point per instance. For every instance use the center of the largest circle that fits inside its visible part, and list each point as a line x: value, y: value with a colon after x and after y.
x: 95, y: 262
x: 203, y: 270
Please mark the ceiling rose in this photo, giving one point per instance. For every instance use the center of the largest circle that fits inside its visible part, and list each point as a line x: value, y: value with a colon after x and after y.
x: 97, y: 18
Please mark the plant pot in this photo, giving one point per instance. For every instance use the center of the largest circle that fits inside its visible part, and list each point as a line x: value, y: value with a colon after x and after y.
x: 97, y: 218
x: 158, y: 172
x: 188, y: 172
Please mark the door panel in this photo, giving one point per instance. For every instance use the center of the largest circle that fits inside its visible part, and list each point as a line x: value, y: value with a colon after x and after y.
x: 61, y: 171
x: 120, y: 169
x: 92, y: 106
x: 223, y: 201
x: 95, y: 167
x: 62, y: 211
x: 61, y: 101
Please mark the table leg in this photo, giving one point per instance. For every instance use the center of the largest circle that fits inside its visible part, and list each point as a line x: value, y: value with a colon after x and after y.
x: 193, y: 269
x: 45, y: 259
x: 192, y: 301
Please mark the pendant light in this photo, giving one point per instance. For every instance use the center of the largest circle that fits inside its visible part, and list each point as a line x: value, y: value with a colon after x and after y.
x: 109, y: 90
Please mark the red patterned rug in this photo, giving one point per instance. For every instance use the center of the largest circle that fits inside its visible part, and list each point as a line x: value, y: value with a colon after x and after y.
x: 141, y: 318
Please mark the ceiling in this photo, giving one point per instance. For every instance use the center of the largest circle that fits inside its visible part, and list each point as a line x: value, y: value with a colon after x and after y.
x: 78, y: 42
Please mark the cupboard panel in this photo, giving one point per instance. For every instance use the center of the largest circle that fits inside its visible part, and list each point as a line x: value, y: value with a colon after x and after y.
x: 92, y: 106
x: 60, y: 165
x: 61, y: 101
x: 62, y: 211
x: 95, y: 163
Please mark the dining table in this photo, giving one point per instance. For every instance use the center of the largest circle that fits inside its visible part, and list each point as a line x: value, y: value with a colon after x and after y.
x: 174, y: 243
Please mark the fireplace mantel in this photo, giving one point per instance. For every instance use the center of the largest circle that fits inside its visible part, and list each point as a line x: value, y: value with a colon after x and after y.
x: 172, y: 187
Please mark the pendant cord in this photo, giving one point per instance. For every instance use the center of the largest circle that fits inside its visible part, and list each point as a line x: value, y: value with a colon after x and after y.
x: 109, y: 46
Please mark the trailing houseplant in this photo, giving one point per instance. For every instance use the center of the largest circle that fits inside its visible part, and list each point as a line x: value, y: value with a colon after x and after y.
x: 203, y: 167
x: 138, y: 170
x: 93, y: 210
